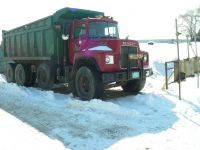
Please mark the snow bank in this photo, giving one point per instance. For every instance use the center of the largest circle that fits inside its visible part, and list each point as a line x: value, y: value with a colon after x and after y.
x: 16, y: 135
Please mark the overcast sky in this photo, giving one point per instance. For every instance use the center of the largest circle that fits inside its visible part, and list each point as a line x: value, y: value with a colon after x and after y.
x: 141, y: 19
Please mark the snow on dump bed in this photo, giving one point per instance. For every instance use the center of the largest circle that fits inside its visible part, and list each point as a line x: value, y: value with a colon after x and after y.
x: 153, y: 119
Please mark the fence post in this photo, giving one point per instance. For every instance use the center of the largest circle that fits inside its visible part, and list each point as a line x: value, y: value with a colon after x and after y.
x: 166, y: 74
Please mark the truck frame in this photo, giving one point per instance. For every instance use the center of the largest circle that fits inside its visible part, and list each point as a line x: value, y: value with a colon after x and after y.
x: 78, y: 47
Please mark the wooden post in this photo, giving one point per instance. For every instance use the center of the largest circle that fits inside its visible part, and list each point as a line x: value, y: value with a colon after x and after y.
x: 179, y: 77
x: 166, y: 75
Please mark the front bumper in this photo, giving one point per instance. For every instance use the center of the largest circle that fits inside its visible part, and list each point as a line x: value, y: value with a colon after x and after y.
x: 125, y: 75
x: 148, y: 72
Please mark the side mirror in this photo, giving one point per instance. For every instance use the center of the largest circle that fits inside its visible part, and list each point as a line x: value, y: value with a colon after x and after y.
x: 127, y: 37
x: 57, y: 28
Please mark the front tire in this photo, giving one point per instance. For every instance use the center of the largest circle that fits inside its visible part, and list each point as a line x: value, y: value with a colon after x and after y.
x: 134, y: 86
x: 88, y: 83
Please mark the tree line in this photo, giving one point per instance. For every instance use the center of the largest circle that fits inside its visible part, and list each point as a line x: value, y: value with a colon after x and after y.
x: 189, y: 24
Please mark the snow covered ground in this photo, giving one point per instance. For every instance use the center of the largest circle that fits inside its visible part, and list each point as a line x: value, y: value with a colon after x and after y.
x: 154, y: 119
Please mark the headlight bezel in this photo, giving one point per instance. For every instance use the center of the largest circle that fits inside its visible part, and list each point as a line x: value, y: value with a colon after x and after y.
x: 109, y: 59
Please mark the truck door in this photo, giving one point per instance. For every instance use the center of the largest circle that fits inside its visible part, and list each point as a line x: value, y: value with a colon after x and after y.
x: 78, y: 39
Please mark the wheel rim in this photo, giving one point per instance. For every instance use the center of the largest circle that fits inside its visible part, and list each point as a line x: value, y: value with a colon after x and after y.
x: 20, y: 75
x: 84, y: 85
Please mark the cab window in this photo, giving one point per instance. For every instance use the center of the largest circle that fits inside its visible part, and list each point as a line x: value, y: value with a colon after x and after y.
x: 79, y: 31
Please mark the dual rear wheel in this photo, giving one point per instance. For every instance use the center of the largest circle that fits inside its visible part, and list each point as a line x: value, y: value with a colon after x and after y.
x: 22, y: 75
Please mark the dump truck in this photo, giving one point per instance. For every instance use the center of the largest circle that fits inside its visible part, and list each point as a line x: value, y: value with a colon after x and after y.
x: 75, y: 46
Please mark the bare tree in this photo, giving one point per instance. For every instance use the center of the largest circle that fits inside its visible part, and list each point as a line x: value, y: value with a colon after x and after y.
x: 190, y: 22
x: 198, y: 34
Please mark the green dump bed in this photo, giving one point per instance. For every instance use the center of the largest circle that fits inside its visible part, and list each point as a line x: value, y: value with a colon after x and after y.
x: 34, y: 41
x: 39, y: 40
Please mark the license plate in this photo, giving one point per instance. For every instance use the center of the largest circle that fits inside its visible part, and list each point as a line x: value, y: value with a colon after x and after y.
x: 135, y: 75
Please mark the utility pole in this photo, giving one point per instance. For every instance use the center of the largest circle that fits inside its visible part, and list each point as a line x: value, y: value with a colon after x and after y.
x: 179, y: 76
x: 195, y: 41
x: 188, y: 46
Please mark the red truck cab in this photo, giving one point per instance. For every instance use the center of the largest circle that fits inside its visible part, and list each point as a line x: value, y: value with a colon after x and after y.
x: 95, y: 42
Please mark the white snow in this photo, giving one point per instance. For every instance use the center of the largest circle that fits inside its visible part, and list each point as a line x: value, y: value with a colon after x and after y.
x: 154, y: 119
x: 15, y: 135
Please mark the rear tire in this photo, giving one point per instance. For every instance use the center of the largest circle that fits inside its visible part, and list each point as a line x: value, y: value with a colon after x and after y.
x: 45, y: 76
x: 134, y: 86
x: 88, y: 83
x: 22, y: 75
x: 10, y: 73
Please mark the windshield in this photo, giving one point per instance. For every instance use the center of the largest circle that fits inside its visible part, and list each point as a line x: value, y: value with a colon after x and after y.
x: 103, y: 30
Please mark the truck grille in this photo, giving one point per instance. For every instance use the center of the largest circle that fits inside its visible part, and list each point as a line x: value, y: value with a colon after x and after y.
x: 125, y: 51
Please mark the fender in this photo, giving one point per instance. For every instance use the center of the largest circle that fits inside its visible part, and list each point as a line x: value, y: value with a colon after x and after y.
x: 85, y: 61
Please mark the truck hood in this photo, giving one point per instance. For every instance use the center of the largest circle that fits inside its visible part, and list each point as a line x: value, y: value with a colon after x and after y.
x: 109, y: 45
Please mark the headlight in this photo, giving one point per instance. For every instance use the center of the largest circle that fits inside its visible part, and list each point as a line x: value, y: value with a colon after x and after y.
x: 109, y: 59
x: 145, y: 58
